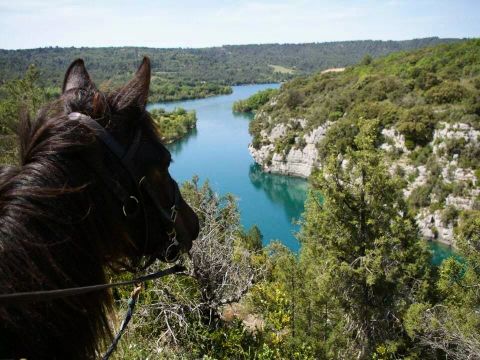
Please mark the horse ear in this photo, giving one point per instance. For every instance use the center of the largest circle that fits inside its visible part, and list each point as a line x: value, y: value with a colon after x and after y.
x: 77, y: 77
x: 135, y: 92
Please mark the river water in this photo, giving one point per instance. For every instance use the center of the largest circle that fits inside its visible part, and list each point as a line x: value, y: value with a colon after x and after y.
x: 217, y: 150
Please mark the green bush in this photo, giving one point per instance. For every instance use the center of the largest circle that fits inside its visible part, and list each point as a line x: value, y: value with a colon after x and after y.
x: 254, y: 102
x: 450, y: 215
x: 293, y: 98
x: 420, y: 197
x: 175, y: 124
x: 446, y: 93
x: 417, y: 125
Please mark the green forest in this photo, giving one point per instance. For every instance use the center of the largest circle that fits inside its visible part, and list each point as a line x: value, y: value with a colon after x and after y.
x: 180, y: 74
x: 254, y: 102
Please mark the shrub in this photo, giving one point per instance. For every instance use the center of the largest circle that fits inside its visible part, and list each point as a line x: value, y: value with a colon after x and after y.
x: 450, y: 215
x: 426, y: 80
x: 446, y: 92
x: 420, y: 197
x: 293, y: 98
x: 417, y: 125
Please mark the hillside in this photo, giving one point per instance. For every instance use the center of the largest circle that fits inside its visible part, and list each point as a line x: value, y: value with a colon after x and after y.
x: 227, y: 65
x: 425, y: 108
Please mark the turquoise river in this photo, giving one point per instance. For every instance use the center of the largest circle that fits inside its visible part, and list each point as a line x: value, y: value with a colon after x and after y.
x: 217, y: 150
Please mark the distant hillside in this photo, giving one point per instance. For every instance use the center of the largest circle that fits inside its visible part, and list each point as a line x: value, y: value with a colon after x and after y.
x: 424, y: 108
x: 226, y: 65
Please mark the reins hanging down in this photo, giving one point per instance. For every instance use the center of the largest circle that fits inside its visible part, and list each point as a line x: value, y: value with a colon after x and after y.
x: 132, y: 301
x: 45, y: 295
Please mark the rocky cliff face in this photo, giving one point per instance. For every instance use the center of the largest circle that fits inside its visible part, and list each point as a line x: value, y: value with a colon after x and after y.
x: 302, y: 157
x: 300, y: 160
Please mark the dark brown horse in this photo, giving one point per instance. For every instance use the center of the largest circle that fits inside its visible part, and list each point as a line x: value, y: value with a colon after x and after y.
x: 75, y: 208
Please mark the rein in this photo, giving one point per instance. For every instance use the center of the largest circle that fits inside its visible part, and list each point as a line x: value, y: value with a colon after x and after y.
x: 46, y: 295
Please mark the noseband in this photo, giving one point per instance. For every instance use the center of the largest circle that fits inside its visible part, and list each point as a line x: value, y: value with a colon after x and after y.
x: 131, y: 203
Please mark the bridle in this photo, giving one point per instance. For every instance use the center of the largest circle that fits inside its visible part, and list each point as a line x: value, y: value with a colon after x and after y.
x: 133, y: 200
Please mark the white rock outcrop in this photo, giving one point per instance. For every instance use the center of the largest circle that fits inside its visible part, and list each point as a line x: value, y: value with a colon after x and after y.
x: 397, y: 140
x: 298, y: 161
x: 432, y: 227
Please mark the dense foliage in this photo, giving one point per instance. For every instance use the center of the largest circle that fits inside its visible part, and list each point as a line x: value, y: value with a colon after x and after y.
x: 23, y: 95
x: 361, y: 287
x: 187, y: 73
x: 363, y: 259
x: 450, y: 326
x: 409, y: 90
x: 410, y: 95
x: 254, y: 102
x: 175, y: 124
x: 173, y: 90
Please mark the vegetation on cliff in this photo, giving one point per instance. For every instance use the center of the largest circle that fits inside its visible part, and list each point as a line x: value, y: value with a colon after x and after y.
x: 254, y: 102
x: 412, y: 91
x: 425, y: 108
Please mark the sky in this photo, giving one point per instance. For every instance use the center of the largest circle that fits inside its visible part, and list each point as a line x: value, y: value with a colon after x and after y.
x: 202, y: 23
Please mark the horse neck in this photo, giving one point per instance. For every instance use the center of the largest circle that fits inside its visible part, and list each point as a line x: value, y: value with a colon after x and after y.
x: 59, y: 230
x: 55, y: 233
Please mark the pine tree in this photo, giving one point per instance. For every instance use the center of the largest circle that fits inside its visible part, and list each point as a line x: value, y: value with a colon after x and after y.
x: 449, y: 328
x: 363, y: 259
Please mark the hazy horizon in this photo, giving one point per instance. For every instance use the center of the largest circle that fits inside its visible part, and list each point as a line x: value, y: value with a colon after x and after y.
x: 30, y: 24
x: 222, y: 45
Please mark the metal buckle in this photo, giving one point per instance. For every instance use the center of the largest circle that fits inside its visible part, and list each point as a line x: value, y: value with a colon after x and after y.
x: 133, y: 213
x: 171, y: 247
x: 172, y: 235
x: 174, y: 213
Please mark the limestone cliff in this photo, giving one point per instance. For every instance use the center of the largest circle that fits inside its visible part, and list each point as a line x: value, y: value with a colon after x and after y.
x: 425, y: 107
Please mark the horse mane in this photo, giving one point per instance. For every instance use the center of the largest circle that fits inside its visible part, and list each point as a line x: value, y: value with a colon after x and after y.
x: 54, y: 229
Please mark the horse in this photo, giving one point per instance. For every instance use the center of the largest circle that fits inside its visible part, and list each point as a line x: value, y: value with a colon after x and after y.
x: 92, y: 196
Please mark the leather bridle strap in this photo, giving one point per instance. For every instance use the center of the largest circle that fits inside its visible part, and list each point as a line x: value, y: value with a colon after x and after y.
x: 126, y: 159
x: 47, y: 295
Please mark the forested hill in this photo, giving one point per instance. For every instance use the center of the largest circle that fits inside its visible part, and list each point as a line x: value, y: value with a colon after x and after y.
x: 227, y: 65
x: 421, y: 109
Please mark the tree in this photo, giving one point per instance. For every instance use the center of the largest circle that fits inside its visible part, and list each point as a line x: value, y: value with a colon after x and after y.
x: 450, y: 327
x: 417, y: 125
x: 18, y: 95
x: 363, y: 259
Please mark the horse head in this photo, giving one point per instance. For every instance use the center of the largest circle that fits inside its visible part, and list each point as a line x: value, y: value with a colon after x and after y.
x: 150, y: 214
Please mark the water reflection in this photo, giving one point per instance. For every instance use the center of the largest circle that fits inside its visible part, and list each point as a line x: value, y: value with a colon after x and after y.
x: 177, y: 146
x: 246, y: 116
x: 289, y: 192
